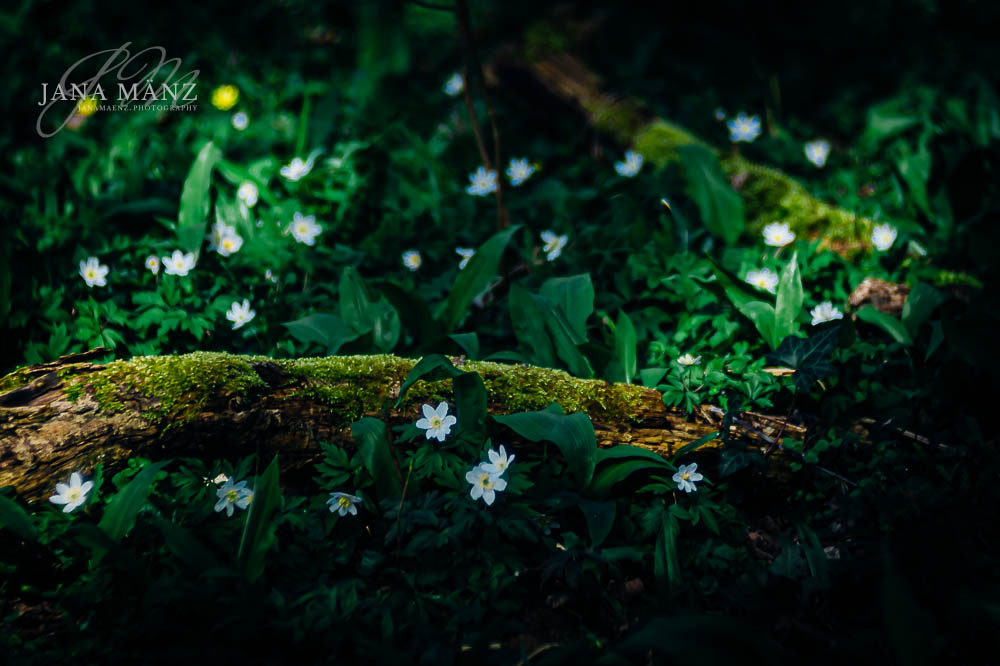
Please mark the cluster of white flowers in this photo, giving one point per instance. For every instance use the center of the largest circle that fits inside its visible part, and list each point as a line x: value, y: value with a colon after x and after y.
x: 743, y: 127
x: 436, y: 421
x: 412, y: 260
x: 765, y: 279
x: 482, y: 182
x: 631, y: 166
x: 94, y: 273
x: 778, y: 234
x: 233, y: 495
x: 554, y: 244
x: 304, y: 228
x: 240, y: 313
x: 487, y: 478
x: 686, y: 477
x: 519, y: 171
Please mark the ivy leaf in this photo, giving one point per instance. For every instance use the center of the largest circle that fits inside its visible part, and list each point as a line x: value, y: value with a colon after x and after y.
x: 809, y: 357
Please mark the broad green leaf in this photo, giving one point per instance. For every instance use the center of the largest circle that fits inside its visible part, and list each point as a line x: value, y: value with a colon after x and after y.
x: 809, y: 357
x: 355, y: 305
x: 607, y: 476
x: 886, y: 120
x: 915, y: 170
x: 628, y: 451
x: 186, y: 546
x: 922, y: 300
x: 469, y: 342
x: 574, y: 297
x: 600, y: 518
x: 650, y: 377
x: 430, y: 368
x: 720, y: 206
x: 625, y: 346
x: 413, y: 312
x: 736, y: 290
x: 192, y: 218
x: 887, y: 323
x: 691, y: 447
x: 573, y: 434
x: 386, y: 326
x: 258, y: 532
x: 762, y: 315
x: 529, y: 327
x: 564, y: 338
x: 789, y: 302
x: 328, y: 330
x: 666, y: 567
x: 16, y: 519
x: 372, y: 439
x: 470, y: 402
x: 474, y: 278
x: 120, y: 514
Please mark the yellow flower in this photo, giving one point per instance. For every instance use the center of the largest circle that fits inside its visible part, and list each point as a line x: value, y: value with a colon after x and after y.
x: 87, y: 106
x: 225, y: 97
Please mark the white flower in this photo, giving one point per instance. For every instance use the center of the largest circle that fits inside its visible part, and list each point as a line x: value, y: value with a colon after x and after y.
x: 519, y: 171
x: 778, y: 234
x: 72, y: 495
x: 247, y: 193
x: 686, y: 476
x: 229, y: 244
x: 482, y: 182
x: 720, y: 114
x: 817, y: 152
x: 743, y: 127
x: 344, y: 504
x: 239, y: 313
x: 220, y: 479
x: 437, y: 422
x: 454, y: 86
x: 240, y: 120
x: 763, y: 279
x: 466, y: 254
x: 499, y: 462
x: 93, y: 272
x: 231, y: 495
x: 412, y: 259
x: 153, y: 264
x: 484, y: 484
x: 883, y: 236
x: 298, y: 169
x: 178, y: 263
x: 304, y: 228
x: 553, y: 244
x: 825, y: 312
x: 631, y: 166
x: 219, y: 230
x: 688, y: 360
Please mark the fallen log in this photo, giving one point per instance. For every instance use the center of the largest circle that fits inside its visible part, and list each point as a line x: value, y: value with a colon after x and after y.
x: 71, y: 414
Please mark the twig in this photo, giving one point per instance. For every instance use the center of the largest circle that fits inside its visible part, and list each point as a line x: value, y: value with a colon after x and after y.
x: 774, y: 443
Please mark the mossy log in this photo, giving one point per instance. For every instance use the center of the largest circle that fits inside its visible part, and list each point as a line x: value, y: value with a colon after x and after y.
x: 542, y: 66
x: 72, y: 414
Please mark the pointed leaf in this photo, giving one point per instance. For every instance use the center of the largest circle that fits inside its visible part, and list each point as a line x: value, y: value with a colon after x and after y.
x: 573, y: 434
x: 719, y: 204
x: 474, y: 278
x: 258, y: 532
x: 16, y: 519
x: 372, y: 439
x: 192, y: 218
x: 120, y: 514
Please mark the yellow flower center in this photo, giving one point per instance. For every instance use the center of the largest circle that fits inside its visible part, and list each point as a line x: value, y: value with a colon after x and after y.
x: 73, y: 494
x: 228, y: 243
x: 302, y: 228
x: 685, y: 476
x: 344, y: 503
x: 435, y: 422
x: 92, y: 273
x: 485, y: 481
x: 87, y: 106
x: 232, y: 496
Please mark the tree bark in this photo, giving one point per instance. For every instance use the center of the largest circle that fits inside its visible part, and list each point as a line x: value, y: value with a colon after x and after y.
x: 71, y: 414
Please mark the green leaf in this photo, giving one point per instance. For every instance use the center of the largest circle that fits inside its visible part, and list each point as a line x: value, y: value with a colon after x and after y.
x: 386, y: 326
x: 372, y: 439
x: 625, y: 346
x: 564, y: 338
x: 573, y: 434
x: 192, y: 217
x: 922, y: 300
x: 887, y: 323
x: 529, y: 327
x: 789, y: 302
x: 186, y: 546
x: 762, y: 316
x: 120, y: 514
x: 414, y: 313
x: 915, y: 170
x: 600, y: 518
x: 607, y: 476
x: 666, y: 567
x: 474, y: 278
x: 736, y: 290
x: 432, y: 367
x: 719, y: 204
x: 16, y: 519
x: 470, y: 402
x: 574, y: 297
x: 328, y: 330
x: 650, y: 377
x: 809, y: 357
x: 258, y: 532
x: 691, y: 447
x: 355, y: 306
x: 886, y: 120
x: 469, y: 342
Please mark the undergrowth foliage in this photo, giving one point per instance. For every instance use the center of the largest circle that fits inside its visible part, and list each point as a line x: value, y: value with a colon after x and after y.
x: 324, y: 204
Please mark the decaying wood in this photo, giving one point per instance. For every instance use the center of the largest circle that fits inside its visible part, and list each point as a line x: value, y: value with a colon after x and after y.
x: 886, y: 297
x: 72, y: 414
